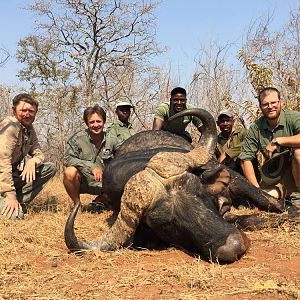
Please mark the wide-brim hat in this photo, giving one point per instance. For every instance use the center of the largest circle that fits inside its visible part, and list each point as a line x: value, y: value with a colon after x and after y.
x: 273, y: 168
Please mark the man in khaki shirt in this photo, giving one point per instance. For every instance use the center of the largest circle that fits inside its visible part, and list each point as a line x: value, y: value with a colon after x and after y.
x: 229, y: 141
x: 119, y: 131
x: 22, y: 172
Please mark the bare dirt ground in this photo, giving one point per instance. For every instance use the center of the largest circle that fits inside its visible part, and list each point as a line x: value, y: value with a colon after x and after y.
x: 35, y: 264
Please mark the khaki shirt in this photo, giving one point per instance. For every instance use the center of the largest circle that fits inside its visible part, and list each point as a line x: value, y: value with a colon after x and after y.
x: 231, y: 145
x: 260, y: 134
x: 82, y: 153
x: 16, y: 143
x: 164, y: 112
x: 116, y: 134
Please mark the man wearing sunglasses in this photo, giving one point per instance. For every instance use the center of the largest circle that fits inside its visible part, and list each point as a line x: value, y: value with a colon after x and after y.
x: 275, y: 133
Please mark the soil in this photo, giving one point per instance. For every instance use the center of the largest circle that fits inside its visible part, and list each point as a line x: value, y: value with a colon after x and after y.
x: 35, y: 264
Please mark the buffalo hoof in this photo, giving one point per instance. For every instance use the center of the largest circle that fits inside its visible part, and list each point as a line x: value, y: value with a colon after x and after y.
x: 234, y: 248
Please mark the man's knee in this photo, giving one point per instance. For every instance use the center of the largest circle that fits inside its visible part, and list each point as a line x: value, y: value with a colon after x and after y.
x: 71, y: 174
x: 49, y: 169
x: 296, y: 155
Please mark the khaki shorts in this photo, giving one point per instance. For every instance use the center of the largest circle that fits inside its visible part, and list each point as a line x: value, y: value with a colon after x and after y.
x: 88, y: 185
x: 286, y: 185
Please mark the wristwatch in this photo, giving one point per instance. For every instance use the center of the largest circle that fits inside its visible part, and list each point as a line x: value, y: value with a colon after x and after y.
x: 274, y: 142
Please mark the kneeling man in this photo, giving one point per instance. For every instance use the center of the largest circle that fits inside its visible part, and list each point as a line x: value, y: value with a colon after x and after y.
x: 22, y: 171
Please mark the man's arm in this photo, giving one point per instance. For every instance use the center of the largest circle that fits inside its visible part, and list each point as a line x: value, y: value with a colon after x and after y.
x: 157, y: 124
x: 248, y: 171
x: 37, y: 157
x: 8, y: 138
x: 249, y: 149
x: 110, y: 143
x: 288, y: 141
x: 198, y: 123
x: 72, y: 155
x: 160, y: 115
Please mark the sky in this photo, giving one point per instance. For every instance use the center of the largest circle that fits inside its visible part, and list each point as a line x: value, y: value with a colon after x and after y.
x: 182, y: 26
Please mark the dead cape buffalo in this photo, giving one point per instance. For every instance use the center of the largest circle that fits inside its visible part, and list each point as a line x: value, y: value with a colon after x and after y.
x: 178, y: 191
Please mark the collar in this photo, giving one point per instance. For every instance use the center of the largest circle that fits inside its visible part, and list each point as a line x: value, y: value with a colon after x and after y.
x: 233, y: 132
x: 27, y: 130
x: 121, y: 124
x: 87, y: 131
x: 171, y: 109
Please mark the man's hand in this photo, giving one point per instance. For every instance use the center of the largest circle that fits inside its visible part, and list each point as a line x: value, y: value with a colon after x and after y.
x: 270, y: 148
x: 28, y: 173
x: 11, y: 207
x: 222, y: 157
x: 97, y: 172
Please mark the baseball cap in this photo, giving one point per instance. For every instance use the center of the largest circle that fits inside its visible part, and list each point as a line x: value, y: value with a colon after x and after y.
x: 123, y: 103
x: 226, y: 113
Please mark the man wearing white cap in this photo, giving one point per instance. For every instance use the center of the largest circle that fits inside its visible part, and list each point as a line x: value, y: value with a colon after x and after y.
x: 119, y: 131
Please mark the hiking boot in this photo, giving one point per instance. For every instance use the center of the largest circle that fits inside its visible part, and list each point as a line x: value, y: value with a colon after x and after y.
x: 294, y: 198
x: 293, y: 211
x: 97, y: 205
x: 93, y: 207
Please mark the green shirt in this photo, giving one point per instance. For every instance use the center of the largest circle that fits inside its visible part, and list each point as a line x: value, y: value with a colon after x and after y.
x: 231, y: 145
x: 260, y: 133
x: 164, y: 112
x: 82, y: 153
x: 116, y: 134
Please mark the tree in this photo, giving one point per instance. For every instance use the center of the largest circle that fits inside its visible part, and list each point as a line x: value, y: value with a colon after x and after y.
x: 4, y: 56
x: 5, y: 96
x: 216, y: 84
x: 87, y: 52
x: 275, y: 55
x: 92, y: 40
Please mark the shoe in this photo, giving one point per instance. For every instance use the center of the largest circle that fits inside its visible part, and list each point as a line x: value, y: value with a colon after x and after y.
x: 294, y: 198
x: 293, y: 211
x: 97, y: 205
x: 93, y: 207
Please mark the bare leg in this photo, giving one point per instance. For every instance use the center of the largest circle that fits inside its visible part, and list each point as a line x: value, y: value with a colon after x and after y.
x: 296, y: 167
x: 72, y: 183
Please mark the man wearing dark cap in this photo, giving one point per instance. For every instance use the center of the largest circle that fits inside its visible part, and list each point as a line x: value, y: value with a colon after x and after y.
x: 167, y: 109
x: 229, y: 141
x: 274, y: 134
x: 119, y: 131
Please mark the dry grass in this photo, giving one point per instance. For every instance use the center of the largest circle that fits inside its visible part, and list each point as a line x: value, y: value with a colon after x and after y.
x: 35, y: 263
